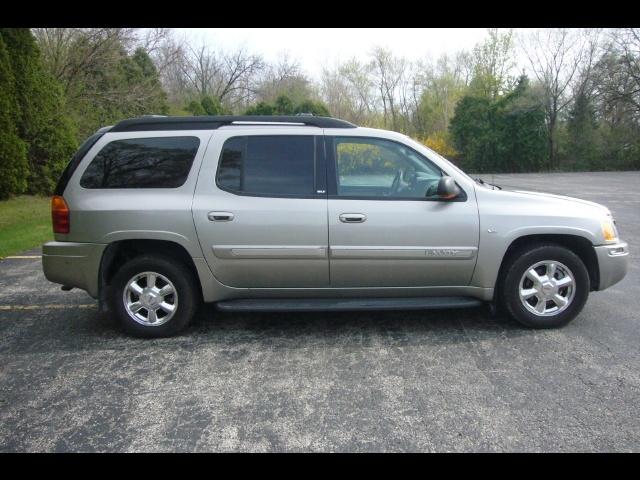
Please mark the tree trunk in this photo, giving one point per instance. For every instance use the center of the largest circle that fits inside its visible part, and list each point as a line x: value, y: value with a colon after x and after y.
x: 551, y: 150
x: 552, y: 133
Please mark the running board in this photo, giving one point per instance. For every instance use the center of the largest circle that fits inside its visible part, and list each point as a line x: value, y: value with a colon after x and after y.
x: 345, y: 304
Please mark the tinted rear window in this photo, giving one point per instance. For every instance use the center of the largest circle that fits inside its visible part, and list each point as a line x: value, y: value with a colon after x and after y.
x: 268, y: 165
x: 160, y: 162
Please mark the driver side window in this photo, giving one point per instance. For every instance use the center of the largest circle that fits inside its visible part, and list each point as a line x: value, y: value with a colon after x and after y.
x: 378, y: 168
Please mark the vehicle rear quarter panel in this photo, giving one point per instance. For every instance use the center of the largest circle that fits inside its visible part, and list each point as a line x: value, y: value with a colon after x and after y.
x: 108, y: 215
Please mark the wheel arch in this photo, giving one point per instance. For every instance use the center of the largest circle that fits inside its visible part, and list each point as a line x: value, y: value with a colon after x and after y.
x: 118, y: 252
x: 577, y: 244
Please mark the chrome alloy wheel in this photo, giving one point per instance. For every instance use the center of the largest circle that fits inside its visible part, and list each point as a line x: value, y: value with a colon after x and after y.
x: 150, y: 299
x: 547, y: 288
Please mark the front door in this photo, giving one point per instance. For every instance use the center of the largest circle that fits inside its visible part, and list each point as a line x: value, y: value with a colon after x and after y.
x: 260, y: 219
x: 387, y: 226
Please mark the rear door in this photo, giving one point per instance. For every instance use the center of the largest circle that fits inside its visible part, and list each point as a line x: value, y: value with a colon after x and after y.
x: 260, y: 207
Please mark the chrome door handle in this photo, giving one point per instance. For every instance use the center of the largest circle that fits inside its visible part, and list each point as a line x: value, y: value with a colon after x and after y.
x: 352, y: 218
x: 220, y: 216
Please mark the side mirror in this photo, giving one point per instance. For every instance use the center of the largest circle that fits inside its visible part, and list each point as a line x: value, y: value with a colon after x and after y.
x: 447, y: 188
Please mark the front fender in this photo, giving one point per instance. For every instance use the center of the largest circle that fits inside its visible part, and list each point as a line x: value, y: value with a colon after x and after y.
x: 507, y: 216
x: 494, y: 245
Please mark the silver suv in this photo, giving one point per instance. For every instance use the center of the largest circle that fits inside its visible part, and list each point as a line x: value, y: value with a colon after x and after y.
x: 156, y: 214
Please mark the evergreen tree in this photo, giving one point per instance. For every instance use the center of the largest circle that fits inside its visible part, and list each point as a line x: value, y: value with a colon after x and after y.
x: 502, y: 135
x: 195, y: 108
x: 261, y: 108
x: 582, y: 147
x: 206, y: 106
x: 212, y: 106
x: 521, y: 129
x: 283, y: 106
x: 14, y: 165
x: 309, y: 106
x: 139, y: 72
x: 41, y: 122
x: 473, y: 133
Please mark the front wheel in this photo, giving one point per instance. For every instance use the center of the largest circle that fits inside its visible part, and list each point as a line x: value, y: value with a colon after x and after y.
x: 154, y: 296
x: 545, y: 286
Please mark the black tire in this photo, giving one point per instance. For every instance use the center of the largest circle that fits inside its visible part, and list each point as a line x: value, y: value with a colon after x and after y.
x: 525, y: 258
x: 188, y: 297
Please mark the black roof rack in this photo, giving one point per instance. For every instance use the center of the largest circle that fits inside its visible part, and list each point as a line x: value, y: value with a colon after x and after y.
x: 212, y: 122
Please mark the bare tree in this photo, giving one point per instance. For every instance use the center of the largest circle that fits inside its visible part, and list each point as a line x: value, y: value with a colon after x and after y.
x: 71, y: 54
x: 152, y: 39
x: 240, y: 71
x: 164, y: 47
x: 56, y: 45
x: 618, y: 73
x: 555, y: 57
x: 445, y: 83
x: 585, y: 83
x: 412, y: 90
x: 349, y: 91
x: 358, y: 78
x: 200, y: 67
x: 284, y: 77
x: 464, y: 64
x: 338, y: 96
x: 388, y: 73
x: 169, y: 57
x: 230, y: 77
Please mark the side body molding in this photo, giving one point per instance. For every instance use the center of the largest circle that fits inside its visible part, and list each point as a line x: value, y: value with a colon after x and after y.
x: 404, y: 253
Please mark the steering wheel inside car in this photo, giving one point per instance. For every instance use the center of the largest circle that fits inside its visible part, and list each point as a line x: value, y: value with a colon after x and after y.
x: 396, y: 182
x: 432, y: 189
x: 400, y: 181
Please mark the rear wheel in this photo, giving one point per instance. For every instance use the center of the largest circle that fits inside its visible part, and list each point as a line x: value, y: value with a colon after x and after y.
x: 545, y: 286
x: 154, y: 296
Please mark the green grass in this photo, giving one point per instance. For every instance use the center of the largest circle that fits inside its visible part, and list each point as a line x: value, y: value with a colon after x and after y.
x: 25, y: 222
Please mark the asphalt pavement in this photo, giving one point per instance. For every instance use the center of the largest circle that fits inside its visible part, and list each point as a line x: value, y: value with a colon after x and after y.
x: 454, y: 380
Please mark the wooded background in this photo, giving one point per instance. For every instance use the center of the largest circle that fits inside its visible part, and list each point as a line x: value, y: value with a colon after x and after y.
x: 575, y: 107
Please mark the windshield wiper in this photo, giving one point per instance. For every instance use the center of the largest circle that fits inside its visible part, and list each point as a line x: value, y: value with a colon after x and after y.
x: 482, y: 182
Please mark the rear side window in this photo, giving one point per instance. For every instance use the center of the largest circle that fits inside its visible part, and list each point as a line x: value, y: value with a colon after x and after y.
x: 159, y: 162
x: 278, y: 165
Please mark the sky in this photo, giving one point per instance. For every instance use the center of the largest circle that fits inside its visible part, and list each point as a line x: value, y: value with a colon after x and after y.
x: 315, y: 47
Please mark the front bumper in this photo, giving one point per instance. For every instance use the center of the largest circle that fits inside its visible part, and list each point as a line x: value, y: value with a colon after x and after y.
x: 613, y: 262
x: 73, y: 264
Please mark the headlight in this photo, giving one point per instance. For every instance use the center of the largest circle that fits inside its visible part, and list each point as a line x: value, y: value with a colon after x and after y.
x: 609, y: 230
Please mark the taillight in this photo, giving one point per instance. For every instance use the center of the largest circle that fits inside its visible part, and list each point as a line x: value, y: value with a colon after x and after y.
x: 59, y: 215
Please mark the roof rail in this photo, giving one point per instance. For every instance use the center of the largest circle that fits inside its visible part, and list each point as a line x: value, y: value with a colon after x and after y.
x: 204, y: 122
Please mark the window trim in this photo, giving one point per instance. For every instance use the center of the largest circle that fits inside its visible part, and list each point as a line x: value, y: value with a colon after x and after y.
x: 332, y: 173
x: 186, y: 178
x: 319, y: 162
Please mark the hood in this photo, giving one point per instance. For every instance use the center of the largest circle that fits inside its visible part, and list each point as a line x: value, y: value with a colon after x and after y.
x: 564, y: 198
